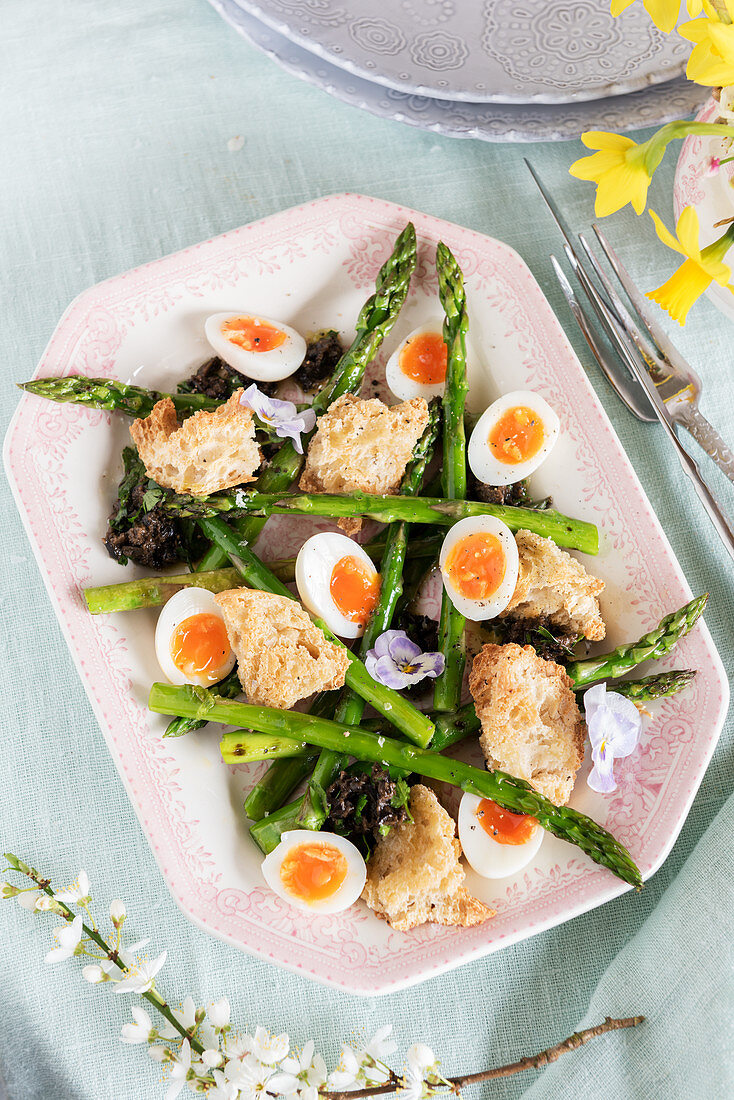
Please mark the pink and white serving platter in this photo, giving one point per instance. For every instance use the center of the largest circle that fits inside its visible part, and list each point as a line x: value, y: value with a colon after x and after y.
x: 312, y: 267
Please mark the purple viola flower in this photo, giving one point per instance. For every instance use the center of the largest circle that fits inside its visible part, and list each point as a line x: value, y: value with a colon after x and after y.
x: 399, y: 663
x: 282, y: 416
x: 614, y: 724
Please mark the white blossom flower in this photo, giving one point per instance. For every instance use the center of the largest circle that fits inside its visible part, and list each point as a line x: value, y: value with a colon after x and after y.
x: 158, y: 1053
x: 69, y: 939
x: 268, y: 1048
x: 346, y: 1075
x: 98, y: 972
x: 223, y: 1089
x: 414, y: 1087
x: 212, y: 1058
x: 180, y: 1071
x: 127, y: 954
x: 302, y: 1075
x: 219, y: 1012
x: 117, y: 912
x: 28, y: 898
x: 77, y: 892
x: 45, y: 904
x: 249, y: 1075
x: 142, y: 979
x: 379, y: 1047
x: 141, y: 1031
x: 421, y: 1059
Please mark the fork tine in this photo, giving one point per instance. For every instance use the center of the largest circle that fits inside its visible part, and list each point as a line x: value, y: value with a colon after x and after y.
x: 628, y: 391
x: 667, y: 351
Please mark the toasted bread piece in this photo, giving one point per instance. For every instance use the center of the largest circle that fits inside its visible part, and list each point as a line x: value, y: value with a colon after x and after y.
x: 208, y: 452
x: 362, y: 446
x: 282, y: 657
x: 550, y: 582
x: 414, y: 874
x: 531, y: 724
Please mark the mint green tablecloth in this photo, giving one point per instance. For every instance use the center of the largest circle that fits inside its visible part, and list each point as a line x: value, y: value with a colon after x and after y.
x: 114, y: 126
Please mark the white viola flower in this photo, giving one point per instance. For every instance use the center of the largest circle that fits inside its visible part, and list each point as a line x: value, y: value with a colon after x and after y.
x: 77, y: 892
x: 282, y: 416
x: 218, y: 1014
x: 141, y: 1031
x: 117, y: 912
x: 269, y: 1048
x: 98, y: 972
x: 141, y: 980
x: 180, y: 1071
x: 302, y: 1074
x: 614, y: 724
x: 127, y: 954
x: 69, y: 937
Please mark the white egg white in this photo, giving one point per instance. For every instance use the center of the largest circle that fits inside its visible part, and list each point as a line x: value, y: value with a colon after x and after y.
x: 491, y: 606
x: 263, y: 366
x: 401, y: 385
x: 483, y: 462
x: 343, y: 897
x: 483, y: 853
x: 314, y: 567
x: 181, y: 606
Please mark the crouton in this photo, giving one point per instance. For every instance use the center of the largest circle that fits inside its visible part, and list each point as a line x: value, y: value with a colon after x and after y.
x: 414, y: 874
x: 551, y: 583
x: 362, y: 446
x: 281, y: 656
x: 531, y: 724
x: 210, y: 451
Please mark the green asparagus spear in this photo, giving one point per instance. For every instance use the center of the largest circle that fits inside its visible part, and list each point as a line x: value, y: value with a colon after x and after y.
x: 447, y: 689
x: 310, y: 812
x: 375, y: 320
x: 656, y: 643
x: 155, y: 591
x: 510, y: 793
x: 113, y: 396
x: 576, y: 534
x: 228, y: 688
x: 659, y: 686
x: 284, y: 775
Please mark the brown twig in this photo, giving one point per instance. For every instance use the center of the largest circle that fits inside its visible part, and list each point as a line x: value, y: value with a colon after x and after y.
x: 535, y: 1061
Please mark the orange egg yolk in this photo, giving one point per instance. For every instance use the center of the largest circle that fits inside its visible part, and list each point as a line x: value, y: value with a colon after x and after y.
x: 200, y: 647
x: 251, y: 334
x: 517, y: 436
x: 504, y: 826
x: 313, y: 872
x: 424, y: 359
x: 476, y: 565
x: 354, y: 589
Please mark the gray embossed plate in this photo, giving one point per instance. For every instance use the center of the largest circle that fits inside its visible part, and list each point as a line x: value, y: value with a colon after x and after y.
x: 485, y: 121
x: 483, y: 51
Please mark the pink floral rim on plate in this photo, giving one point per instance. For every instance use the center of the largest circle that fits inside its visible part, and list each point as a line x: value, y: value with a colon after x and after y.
x: 313, y: 266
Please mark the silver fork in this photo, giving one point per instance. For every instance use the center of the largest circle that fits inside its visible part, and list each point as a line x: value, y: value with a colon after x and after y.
x: 675, y: 380
x: 660, y: 386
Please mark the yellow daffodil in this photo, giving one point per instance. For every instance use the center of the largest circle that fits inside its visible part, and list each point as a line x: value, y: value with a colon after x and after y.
x: 619, y: 170
x: 700, y: 269
x: 712, y: 59
x: 664, y: 13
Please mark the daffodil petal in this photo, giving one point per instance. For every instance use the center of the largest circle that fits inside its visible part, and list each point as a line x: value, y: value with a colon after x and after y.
x: 684, y: 287
x: 687, y: 230
x: 601, y: 139
x: 664, y: 234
